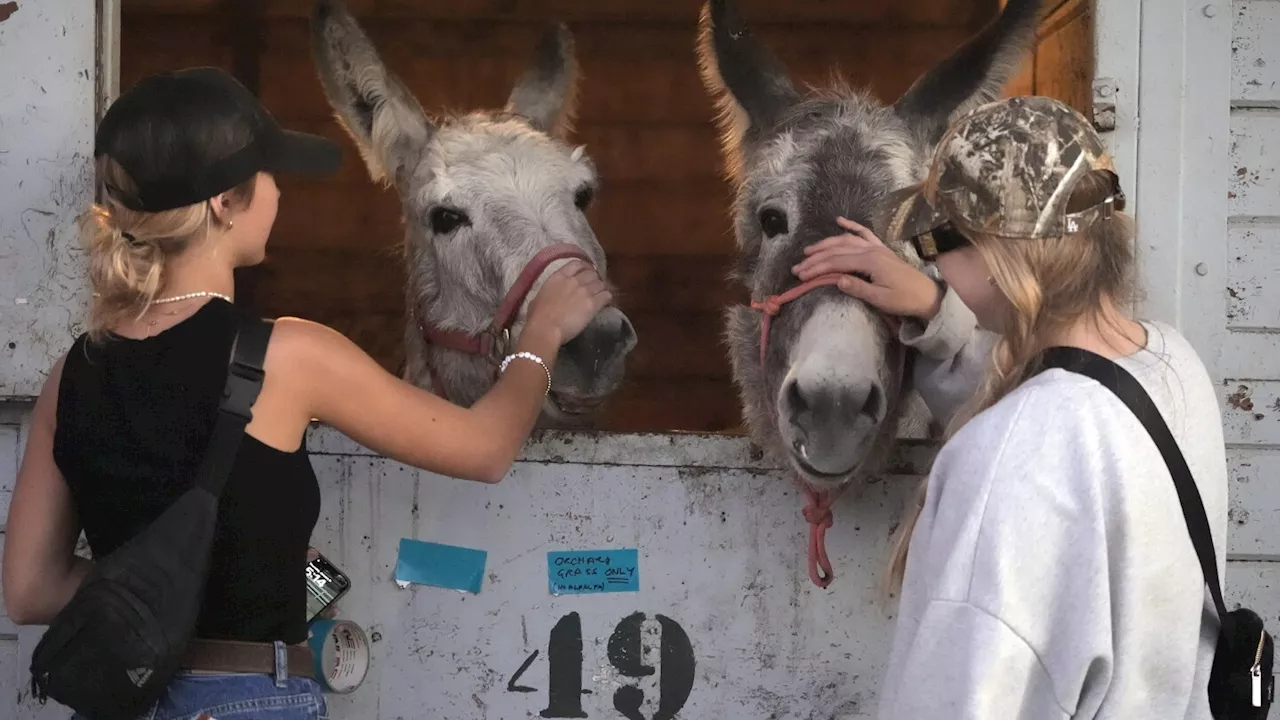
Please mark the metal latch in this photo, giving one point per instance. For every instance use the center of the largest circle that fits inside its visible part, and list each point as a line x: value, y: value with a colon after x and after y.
x: 1104, y: 104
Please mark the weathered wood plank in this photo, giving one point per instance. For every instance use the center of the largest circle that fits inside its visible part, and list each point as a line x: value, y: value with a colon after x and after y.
x: 621, y: 151
x: 1064, y: 57
x: 1250, y: 355
x: 372, y: 279
x: 678, y: 218
x: 662, y: 405
x: 1255, y: 501
x: 9, y: 453
x: 1253, y: 278
x: 404, y: 39
x: 299, y: 279
x: 1251, y: 414
x: 1254, y: 585
x: 684, y: 345
x: 656, y: 89
x: 540, y: 11
x: 1254, y: 188
x: 1255, y: 54
x: 674, y: 283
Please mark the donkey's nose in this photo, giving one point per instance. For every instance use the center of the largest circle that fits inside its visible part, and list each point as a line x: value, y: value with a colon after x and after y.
x: 607, y: 337
x: 827, y: 424
x: 831, y: 406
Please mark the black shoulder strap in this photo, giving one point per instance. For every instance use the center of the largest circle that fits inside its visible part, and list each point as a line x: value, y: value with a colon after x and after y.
x: 244, y: 382
x: 1130, y: 391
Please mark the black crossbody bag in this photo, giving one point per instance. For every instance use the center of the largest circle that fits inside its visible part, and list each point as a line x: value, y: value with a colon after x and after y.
x: 1241, y: 684
x: 112, y: 651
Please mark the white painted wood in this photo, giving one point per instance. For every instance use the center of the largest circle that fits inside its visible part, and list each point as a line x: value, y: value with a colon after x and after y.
x: 1255, y: 54
x: 722, y: 553
x: 1253, y: 279
x: 1184, y: 105
x: 1255, y: 163
x: 8, y: 468
x: 1117, y: 26
x: 1255, y: 504
x: 1255, y: 585
x: 46, y: 147
x: 1250, y: 355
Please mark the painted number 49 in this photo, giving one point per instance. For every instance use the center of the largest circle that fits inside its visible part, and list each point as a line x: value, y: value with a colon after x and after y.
x: 564, y: 661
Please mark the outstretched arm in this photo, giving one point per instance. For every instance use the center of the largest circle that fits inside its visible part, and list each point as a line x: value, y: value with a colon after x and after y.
x: 316, y: 372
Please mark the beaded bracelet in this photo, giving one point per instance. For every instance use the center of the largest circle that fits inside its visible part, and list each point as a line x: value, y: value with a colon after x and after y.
x: 526, y: 356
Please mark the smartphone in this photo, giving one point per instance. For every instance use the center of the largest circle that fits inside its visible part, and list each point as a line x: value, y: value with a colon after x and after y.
x: 325, y: 584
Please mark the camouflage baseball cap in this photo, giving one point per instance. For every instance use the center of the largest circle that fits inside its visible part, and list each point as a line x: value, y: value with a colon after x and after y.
x: 1007, y: 169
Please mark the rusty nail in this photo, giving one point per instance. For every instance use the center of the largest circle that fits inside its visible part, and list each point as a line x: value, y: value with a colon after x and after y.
x: 1210, y: 11
x: 1202, y: 269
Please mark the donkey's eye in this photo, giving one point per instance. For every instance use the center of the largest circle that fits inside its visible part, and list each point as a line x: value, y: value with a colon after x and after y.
x: 583, y: 198
x: 773, y: 222
x: 445, y: 221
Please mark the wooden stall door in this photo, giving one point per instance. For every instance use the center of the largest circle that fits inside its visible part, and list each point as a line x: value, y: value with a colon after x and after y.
x: 663, y: 210
x: 1062, y: 65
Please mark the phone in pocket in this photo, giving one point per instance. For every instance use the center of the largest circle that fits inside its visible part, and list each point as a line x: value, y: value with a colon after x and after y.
x: 325, y: 584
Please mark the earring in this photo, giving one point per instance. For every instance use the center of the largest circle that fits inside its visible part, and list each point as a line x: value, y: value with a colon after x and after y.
x: 992, y: 280
x: 230, y: 224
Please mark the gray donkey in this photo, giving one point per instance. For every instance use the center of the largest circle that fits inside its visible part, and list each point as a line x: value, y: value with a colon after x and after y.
x: 492, y: 202
x: 831, y: 396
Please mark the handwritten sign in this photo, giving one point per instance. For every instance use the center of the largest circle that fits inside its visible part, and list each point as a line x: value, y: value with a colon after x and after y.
x: 582, y: 572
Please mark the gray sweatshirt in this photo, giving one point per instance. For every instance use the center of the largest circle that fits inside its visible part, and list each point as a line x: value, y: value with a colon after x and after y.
x: 1050, y: 574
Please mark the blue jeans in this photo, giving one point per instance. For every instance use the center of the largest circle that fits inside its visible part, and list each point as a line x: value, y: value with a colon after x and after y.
x: 239, y: 697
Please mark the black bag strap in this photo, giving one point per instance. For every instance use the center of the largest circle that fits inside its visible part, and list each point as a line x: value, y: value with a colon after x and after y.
x: 244, y: 381
x: 1131, y: 393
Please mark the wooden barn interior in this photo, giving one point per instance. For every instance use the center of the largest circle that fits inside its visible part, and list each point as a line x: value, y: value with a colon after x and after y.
x: 663, y: 211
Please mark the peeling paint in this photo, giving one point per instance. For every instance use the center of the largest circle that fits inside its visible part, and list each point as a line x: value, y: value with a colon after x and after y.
x: 7, y: 10
x: 1240, y: 399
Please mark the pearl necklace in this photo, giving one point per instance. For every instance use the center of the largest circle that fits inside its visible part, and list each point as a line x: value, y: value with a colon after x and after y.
x: 189, y: 296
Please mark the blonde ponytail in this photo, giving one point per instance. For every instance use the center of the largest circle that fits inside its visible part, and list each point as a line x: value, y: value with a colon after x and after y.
x: 129, y: 249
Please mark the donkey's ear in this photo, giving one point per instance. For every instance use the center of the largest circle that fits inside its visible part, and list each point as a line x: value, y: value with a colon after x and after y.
x: 972, y: 75
x: 372, y: 104
x: 547, y: 93
x: 750, y: 86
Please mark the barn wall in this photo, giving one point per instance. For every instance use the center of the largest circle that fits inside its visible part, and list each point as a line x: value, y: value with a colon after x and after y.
x: 47, y: 113
x: 662, y: 214
x: 1249, y: 362
x: 46, y: 143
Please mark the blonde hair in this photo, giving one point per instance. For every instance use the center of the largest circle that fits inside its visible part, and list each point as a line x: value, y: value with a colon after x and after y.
x: 128, y: 249
x: 1050, y: 284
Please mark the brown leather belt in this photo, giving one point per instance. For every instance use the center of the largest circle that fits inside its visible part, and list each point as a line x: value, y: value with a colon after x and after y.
x: 230, y: 656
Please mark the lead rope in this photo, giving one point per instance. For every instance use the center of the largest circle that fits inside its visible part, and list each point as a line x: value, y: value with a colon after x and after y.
x: 818, y: 503
x: 817, y: 511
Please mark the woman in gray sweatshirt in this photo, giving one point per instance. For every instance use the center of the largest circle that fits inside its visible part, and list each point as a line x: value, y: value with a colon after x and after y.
x: 1046, y: 570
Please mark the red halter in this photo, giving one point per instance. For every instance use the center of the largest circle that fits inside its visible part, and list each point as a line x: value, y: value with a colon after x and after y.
x: 817, y: 509
x: 493, y: 342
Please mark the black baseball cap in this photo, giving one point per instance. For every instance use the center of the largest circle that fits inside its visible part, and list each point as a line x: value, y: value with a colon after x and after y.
x: 185, y: 136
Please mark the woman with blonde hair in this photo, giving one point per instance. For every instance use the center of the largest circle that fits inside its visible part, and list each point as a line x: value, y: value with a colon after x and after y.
x: 185, y: 179
x: 1046, y: 569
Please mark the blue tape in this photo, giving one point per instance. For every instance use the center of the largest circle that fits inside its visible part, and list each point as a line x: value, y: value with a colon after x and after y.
x: 446, y: 566
x: 586, y: 572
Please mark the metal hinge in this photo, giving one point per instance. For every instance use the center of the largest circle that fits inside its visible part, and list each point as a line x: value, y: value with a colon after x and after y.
x: 1104, y: 104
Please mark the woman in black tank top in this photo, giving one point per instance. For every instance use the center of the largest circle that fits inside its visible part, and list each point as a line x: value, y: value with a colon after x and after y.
x: 185, y: 173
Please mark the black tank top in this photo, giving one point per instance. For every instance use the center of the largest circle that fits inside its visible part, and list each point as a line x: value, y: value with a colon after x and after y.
x: 133, y: 420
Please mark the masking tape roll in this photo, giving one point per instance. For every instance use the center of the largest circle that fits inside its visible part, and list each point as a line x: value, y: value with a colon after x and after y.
x: 341, y: 652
